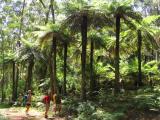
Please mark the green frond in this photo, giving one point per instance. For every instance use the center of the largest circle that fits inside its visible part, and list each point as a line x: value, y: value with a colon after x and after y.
x: 26, y: 53
x: 71, y: 6
x: 26, y: 43
x: 150, y: 19
x: 126, y: 2
x: 97, y: 39
x: 134, y: 15
x: 152, y: 40
x: 8, y: 57
x: 110, y: 42
x: 129, y: 23
x: 43, y: 28
x: 96, y: 19
x: 128, y: 35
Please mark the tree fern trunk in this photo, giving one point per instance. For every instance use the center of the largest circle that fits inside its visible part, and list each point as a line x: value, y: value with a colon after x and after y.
x: 84, y: 44
x: 65, y: 68
x: 16, y: 80
x: 117, y: 54
x: 92, y: 80
x: 2, y: 89
x: 26, y: 85
x: 139, y: 82
x: 2, y: 80
x: 52, y: 10
x: 54, y: 64
x: 29, y: 77
x: 42, y: 72
x: 13, y: 82
x: 51, y: 73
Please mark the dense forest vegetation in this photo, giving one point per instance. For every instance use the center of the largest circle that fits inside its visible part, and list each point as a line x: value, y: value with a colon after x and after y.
x: 101, y: 56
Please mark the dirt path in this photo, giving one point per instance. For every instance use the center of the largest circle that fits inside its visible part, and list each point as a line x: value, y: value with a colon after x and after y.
x: 19, y: 114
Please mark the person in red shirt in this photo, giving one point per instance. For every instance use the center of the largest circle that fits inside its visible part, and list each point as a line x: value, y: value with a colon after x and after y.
x: 46, y: 101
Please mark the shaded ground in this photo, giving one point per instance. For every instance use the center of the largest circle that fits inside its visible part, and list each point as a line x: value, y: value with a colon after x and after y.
x: 19, y: 114
x: 143, y: 115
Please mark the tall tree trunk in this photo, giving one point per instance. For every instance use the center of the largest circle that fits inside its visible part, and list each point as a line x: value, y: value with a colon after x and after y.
x: 47, y: 15
x: 42, y: 72
x: 2, y: 90
x: 53, y: 54
x: 18, y: 46
x: 52, y: 11
x: 117, y: 89
x: 29, y: 77
x: 54, y: 64
x: 139, y: 82
x: 51, y: 73
x: 65, y: 68
x: 84, y: 45
x: 2, y: 80
x: 26, y: 86
x: 92, y: 80
x: 16, y: 80
x: 21, y: 23
x: 52, y: 67
x: 47, y: 12
x: 13, y: 81
x: 43, y: 68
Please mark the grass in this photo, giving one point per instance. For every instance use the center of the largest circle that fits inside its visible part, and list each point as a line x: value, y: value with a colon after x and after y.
x: 3, y: 105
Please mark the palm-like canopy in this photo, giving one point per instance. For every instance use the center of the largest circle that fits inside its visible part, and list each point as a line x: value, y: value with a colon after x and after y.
x: 120, y: 11
x: 148, y: 32
x: 96, y: 19
x: 46, y: 34
x: 145, y: 32
x: 29, y: 52
x: 96, y: 42
x: 52, y: 35
x: 82, y: 17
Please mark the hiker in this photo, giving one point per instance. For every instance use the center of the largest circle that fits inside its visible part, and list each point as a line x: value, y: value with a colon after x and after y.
x: 57, y: 103
x: 25, y: 99
x: 28, y: 102
x: 20, y: 99
x: 46, y: 101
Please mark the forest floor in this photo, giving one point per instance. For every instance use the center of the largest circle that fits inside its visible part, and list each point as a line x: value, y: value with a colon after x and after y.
x: 19, y: 114
x: 142, y: 115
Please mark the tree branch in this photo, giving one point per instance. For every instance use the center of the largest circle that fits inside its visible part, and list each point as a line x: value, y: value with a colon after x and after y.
x: 42, y: 3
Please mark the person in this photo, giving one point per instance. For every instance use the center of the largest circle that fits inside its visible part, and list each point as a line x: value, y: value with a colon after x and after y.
x: 46, y: 101
x: 57, y: 103
x: 20, y: 99
x: 24, y: 99
x: 28, y: 103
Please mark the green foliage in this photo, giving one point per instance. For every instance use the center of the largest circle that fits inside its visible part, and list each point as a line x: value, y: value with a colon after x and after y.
x: 150, y: 19
x: 147, y: 99
x: 69, y: 106
x: 2, y: 105
x: 35, y: 31
x: 85, y: 111
x: 130, y: 69
x: 90, y: 111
